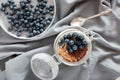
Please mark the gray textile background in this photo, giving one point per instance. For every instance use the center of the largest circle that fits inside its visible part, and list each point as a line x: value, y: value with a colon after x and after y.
x: 104, y: 62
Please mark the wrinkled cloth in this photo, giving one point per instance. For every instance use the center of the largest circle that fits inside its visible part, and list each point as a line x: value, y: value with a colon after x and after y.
x: 104, y: 61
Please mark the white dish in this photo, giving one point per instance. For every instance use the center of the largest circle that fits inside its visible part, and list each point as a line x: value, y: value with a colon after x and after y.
x: 4, y: 22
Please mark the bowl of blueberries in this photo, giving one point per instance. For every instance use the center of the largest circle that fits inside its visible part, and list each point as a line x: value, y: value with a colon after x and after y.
x: 27, y: 19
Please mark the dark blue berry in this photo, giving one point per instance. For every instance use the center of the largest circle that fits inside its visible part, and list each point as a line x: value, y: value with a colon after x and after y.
x: 78, y: 42
x: 38, y: 12
x: 39, y: 0
x: 67, y: 41
x: 9, y: 17
x: 11, y: 7
x: 81, y: 47
x: 6, y: 13
x: 31, y: 6
x: 75, y: 34
x: 84, y: 43
x: 70, y: 51
x: 71, y: 42
x: 48, y: 22
x: 19, y: 34
x: 10, y: 28
x: 62, y: 41
x: 41, y: 30
x: 3, y: 9
x: 65, y: 36
x: 79, y: 37
x: 34, y: 31
x: 74, y: 47
x: 16, y: 25
x: 3, y: 4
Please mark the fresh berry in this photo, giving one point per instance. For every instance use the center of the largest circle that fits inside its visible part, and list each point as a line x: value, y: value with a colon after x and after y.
x: 74, y: 47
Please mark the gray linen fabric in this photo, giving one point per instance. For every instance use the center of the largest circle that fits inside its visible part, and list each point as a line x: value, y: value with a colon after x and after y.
x: 104, y: 62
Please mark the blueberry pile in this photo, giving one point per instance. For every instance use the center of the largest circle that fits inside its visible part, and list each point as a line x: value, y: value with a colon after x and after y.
x: 26, y: 17
x: 73, y: 42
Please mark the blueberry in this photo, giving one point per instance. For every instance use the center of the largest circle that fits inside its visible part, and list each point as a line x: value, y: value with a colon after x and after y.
x: 29, y: 1
x: 25, y: 29
x: 65, y: 36
x: 31, y: 24
x: 48, y: 21
x: 14, y: 5
x: 19, y: 30
x: 84, y: 43
x: 41, y: 25
x: 48, y: 11
x: 18, y: 13
x: 27, y: 5
x: 31, y: 17
x: 38, y: 12
x: 28, y: 34
x: 39, y: 0
x: 16, y: 22
x: 78, y: 42
x: 27, y: 13
x: 22, y: 4
x: 3, y: 4
x: 67, y: 41
x: 11, y: 7
x: 6, y: 13
x: 36, y: 9
x: 81, y: 47
x: 44, y: 13
x: 31, y: 6
x: 74, y: 47
x: 45, y: 1
x: 3, y: 9
x: 19, y: 34
x: 75, y: 34
x: 38, y: 32
x: 38, y: 24
x: 31, y: 34
x: 52, y: 12
x: 30, y: 29
x: 62, y: 41
x: 10, y: 1
x: 7, y: 4
x: 22, y: 29
x: 38, y: 20
x: 16, y: 25
x: 9, y: 17
x: 70, y: 51
x: 79, y: 37
x: 44, y: 4
x: 34, y: 32
x: 69, y: 36
x: 27, y: 25
x: 51, y: 8
x: 25, y: 21
x: 22, y: 20
x: 14, y: 28
x: 71, y: 42
x: 10, y: 28
x: 41, y: 30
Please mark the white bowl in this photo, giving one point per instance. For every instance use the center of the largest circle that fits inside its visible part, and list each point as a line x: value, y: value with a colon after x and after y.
x: 4, y: 22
